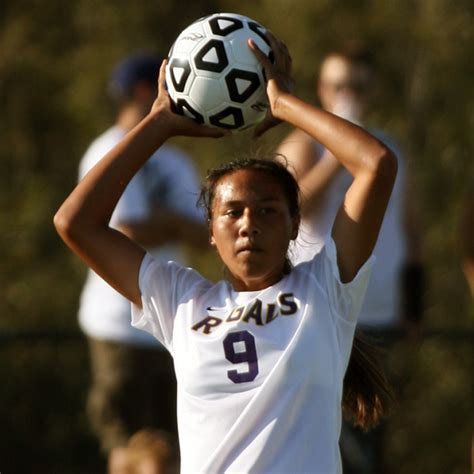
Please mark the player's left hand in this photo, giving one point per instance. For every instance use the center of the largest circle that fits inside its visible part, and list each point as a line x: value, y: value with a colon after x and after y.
x: 279, y: 79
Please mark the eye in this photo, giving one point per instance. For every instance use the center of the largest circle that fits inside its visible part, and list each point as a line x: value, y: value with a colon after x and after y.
x: 232, y: 212
x: 266, y: 210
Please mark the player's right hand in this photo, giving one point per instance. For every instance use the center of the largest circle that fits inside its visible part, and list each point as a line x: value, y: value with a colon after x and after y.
x: 178, y: 125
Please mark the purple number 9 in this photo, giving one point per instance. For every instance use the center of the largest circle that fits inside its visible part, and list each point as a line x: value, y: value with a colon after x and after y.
x: 248, y: 355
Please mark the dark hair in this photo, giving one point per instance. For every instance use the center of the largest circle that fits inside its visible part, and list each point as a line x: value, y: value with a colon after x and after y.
x: 268, y: 166
x: 367, y: 394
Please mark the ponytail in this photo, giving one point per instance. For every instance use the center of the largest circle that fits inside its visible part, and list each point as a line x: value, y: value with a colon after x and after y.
x: 367, y: 395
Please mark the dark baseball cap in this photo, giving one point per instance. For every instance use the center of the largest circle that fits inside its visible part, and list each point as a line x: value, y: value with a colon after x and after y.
x: 134, y: 68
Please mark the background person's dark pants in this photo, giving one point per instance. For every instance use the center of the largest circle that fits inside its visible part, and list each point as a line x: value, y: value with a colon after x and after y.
x: 132, y: 388
x: 362, y: 453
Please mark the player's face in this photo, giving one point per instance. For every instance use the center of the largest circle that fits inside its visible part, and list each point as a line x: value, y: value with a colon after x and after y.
x: 251, y: 228
x: 343, y: 84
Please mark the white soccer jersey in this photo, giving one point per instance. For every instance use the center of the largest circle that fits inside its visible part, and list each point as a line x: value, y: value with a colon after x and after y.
x: 259, y: 373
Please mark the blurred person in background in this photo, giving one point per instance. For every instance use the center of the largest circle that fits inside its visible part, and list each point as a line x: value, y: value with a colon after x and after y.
x: 394, y: 296
x: 133, y: 384
x: 147, y: 452
x: 467, y: 236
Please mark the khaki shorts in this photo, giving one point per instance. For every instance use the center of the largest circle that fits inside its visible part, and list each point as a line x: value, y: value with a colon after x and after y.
x: 132, y: 388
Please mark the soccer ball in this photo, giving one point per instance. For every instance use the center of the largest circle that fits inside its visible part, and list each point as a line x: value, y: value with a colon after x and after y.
x: 213, y: 77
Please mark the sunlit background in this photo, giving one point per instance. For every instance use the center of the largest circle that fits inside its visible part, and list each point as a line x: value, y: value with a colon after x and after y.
x: 55, y: 59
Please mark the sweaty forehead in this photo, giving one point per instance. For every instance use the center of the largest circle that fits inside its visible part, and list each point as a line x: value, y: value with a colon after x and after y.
x: 247, y: 185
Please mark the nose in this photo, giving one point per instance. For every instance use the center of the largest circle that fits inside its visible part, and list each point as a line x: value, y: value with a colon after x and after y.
x: 248, y: 224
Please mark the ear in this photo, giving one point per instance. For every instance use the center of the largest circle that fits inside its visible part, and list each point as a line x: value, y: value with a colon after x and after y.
x: 212, y: 241
x: 296, y: 227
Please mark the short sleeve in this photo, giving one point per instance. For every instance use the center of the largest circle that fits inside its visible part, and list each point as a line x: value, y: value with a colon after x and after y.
x: 345, y: 299
x: 163, y: 286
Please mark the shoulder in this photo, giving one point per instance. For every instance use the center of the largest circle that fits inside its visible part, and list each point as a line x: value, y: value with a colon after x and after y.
x: 169, y: 278
x: 323, y: 266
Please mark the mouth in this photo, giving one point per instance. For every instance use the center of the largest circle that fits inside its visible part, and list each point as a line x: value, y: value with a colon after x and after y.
x: 249, y: 249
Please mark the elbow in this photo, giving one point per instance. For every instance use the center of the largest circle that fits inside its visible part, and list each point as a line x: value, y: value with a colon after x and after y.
x: 66, y: 226
x: 62, y: 224
x: 384, y: 164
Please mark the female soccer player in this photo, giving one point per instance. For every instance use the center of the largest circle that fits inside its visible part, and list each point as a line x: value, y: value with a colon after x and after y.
x: 260, y: 359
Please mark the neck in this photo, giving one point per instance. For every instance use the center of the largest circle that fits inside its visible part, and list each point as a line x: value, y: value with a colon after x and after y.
x: 253, y: 284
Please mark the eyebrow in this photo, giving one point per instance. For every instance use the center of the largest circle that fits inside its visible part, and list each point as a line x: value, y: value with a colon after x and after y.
x: 264, y: 200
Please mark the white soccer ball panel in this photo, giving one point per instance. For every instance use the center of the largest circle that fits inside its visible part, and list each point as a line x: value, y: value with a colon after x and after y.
x: 208, y: 92
x: 240, y: 50
x: 189, y: 39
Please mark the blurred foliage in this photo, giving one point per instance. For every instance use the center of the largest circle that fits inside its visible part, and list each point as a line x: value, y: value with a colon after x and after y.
x: 55, y: 58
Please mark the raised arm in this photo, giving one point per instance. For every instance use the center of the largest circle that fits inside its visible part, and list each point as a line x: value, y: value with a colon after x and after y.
x: 83, y: 219
x: 369, y: 161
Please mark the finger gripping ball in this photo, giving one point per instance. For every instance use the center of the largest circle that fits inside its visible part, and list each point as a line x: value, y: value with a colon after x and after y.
x: 213, y: 77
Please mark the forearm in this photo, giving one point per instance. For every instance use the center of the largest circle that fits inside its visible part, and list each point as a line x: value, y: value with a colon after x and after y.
x: 353, y: 147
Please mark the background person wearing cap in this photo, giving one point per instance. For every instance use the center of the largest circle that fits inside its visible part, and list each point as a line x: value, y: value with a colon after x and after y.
x: 133, y: 384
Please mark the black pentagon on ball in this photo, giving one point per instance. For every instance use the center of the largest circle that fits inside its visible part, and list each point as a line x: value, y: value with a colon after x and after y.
x: 183, y: 65
x: 182, y: 104
x: 251, y: 81
x: 221, y: 56
x: 271, y: 57
x: 216, y: 28
x: 259, y: 30
x: 221, y: 119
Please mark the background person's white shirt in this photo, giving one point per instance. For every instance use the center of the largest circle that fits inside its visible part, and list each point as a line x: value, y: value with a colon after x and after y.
x: 169, y: 180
